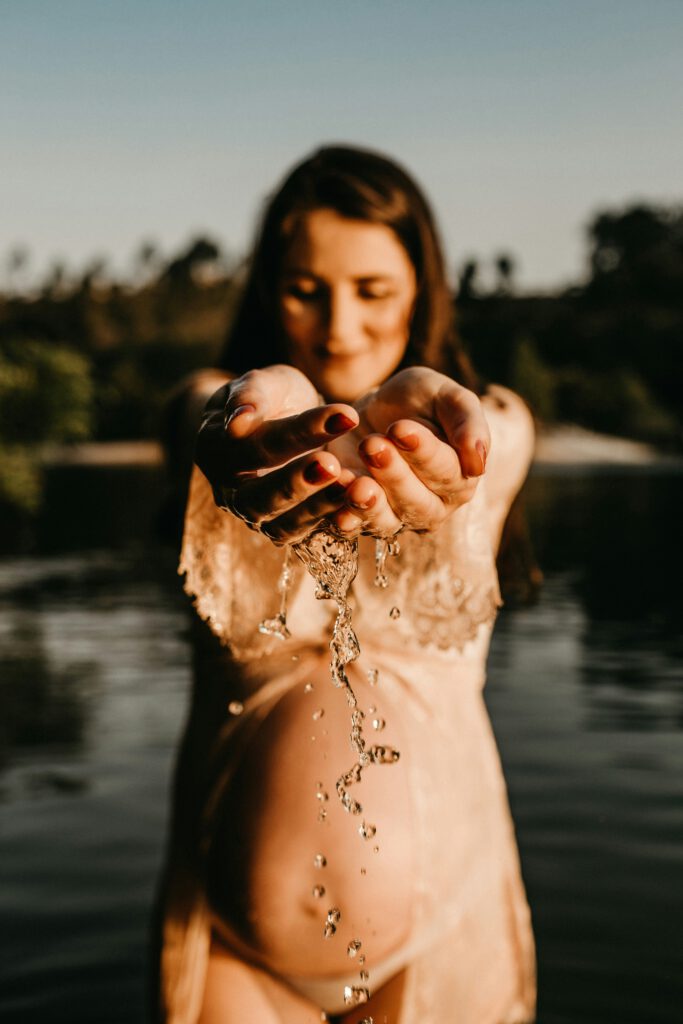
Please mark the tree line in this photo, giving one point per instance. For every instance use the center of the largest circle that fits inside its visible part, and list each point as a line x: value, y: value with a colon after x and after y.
x: 87, y: 357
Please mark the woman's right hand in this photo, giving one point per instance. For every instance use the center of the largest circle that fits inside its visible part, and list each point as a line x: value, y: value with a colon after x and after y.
x: 260, y: 446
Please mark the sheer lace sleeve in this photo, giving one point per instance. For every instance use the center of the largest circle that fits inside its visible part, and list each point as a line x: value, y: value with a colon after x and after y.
x: 444, y: 585
x: 230, y: 571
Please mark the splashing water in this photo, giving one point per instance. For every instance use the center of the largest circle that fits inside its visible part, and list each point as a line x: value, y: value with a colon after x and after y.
x: 277, y: 626
x: 333, y: 563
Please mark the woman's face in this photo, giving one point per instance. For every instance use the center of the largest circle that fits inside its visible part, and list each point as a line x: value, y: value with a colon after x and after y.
x: 346, y: 296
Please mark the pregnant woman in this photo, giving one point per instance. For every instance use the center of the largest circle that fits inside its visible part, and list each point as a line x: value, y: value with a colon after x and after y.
x: 343, y: 402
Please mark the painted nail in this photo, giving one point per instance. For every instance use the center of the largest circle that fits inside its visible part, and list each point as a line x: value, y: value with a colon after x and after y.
x: 338, y: 423
x: 480, y: 448
x: 240, y: 411
x: 408, y: 442
x: 379, y: 459
x: 315, y: 473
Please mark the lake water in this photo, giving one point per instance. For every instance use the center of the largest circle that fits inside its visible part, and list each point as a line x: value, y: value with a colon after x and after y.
x: 585, y: 692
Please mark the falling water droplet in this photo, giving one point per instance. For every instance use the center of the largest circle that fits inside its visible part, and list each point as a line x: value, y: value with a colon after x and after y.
x: 318, y: 714
x: 318, y: 891
x: 308, y: 688
x: 320, y: 860
x: 378, y: 724
x: 373, y: 676
x: 395, y: 613
x: 355, y: 995
x: 393, y: 548
x: 235, y: 707
x: 353, y: 947
x: 366, y: 830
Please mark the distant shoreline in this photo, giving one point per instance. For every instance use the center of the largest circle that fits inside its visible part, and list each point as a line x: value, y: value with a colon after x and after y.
x: 557, y: 446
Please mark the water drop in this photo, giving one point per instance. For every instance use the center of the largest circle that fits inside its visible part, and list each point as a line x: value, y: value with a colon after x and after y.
x: 295, y: 657
x: 308, y: 688
x: 393, y: 548
x: 395, y: 613
x: 355, y: 995
x: 368, y: 1020
x: 372, y: 709
x: 375, y: 849
x: 321, y: 793
x: 373, y: 676
x: 366, y: 830
x: 329, y: 930
x: 320, y: 860
x: 361, y: 959
x: 318, y: 714
x: 322, y: 814
x: 235, y: 707
x: 318, y: 891
x: 364, y: 976
x: 353, y: 947
x: 378, y: 724
x: 334, y: 915
x: 363, y: 871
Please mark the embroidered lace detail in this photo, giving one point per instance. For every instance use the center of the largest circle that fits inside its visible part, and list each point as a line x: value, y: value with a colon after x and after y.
x: 445, y: 584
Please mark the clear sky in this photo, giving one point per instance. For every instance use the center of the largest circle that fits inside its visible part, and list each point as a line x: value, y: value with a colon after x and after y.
x: 124, y: 121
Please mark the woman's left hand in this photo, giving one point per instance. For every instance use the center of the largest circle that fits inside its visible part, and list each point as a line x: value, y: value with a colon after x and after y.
x: 425, y: 447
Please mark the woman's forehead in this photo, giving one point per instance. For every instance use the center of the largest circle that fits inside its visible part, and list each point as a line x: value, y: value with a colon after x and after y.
x: 325, y: 243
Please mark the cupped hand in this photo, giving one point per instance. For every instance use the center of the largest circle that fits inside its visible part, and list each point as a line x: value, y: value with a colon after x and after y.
x: 260, y: 446
x: 425, y: 446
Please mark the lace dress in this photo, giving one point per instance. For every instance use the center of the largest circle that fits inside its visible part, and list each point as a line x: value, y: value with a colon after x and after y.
x: 470, y: 958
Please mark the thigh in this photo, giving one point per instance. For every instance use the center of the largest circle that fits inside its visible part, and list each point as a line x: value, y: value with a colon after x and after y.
x: 235, y: 993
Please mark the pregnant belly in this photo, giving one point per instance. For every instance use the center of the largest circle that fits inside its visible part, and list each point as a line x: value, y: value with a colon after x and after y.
x: 286, y: 852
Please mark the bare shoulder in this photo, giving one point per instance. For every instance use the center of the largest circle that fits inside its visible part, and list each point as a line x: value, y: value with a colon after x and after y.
x: 512, y: 448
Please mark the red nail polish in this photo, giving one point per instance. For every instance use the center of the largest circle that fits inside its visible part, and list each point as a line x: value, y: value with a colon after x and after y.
x: 480, y: 448
x: 338, y: 423
x: 378, y: 459
x: 314, y: 473
x: 408, y: 442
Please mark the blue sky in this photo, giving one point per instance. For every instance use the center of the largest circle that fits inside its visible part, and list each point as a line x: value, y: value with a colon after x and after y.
x: 122, y: 121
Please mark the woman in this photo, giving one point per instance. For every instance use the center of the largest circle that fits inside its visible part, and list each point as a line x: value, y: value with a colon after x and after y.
x: 333, y: 410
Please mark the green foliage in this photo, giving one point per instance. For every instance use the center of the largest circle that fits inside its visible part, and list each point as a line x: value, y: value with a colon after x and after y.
x: 533, y: 380
x: 46, y: 395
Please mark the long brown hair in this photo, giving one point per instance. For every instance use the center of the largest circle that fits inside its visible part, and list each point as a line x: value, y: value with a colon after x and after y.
x: 360, y: 185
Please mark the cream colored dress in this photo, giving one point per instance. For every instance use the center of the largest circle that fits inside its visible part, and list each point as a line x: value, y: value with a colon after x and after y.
x: 470, y: 958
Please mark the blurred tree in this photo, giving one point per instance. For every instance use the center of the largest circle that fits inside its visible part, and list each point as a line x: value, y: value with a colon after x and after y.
x: 467, y: 281
x: 17, y: 263
x: 505, y: 272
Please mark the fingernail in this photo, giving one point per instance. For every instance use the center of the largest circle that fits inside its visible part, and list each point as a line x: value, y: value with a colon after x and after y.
x: 408, y: 442
x: 338, y: 423
x: 240, y: 411
x: 315, y: 473
x: 364, y: 505
x: 379, y: 459
x: 480, y: 449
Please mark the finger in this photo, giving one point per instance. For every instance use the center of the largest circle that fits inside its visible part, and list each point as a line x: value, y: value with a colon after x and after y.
x: 261, y: 499
x: 462, y: 418
x: 368, y: 510
x: 432, y: 460
x: 412, y: 502
x: 298, y: 522
x: 278, y: 441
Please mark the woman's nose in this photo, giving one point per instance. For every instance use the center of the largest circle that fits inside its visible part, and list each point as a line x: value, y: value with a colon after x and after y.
x: 343, y: 323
